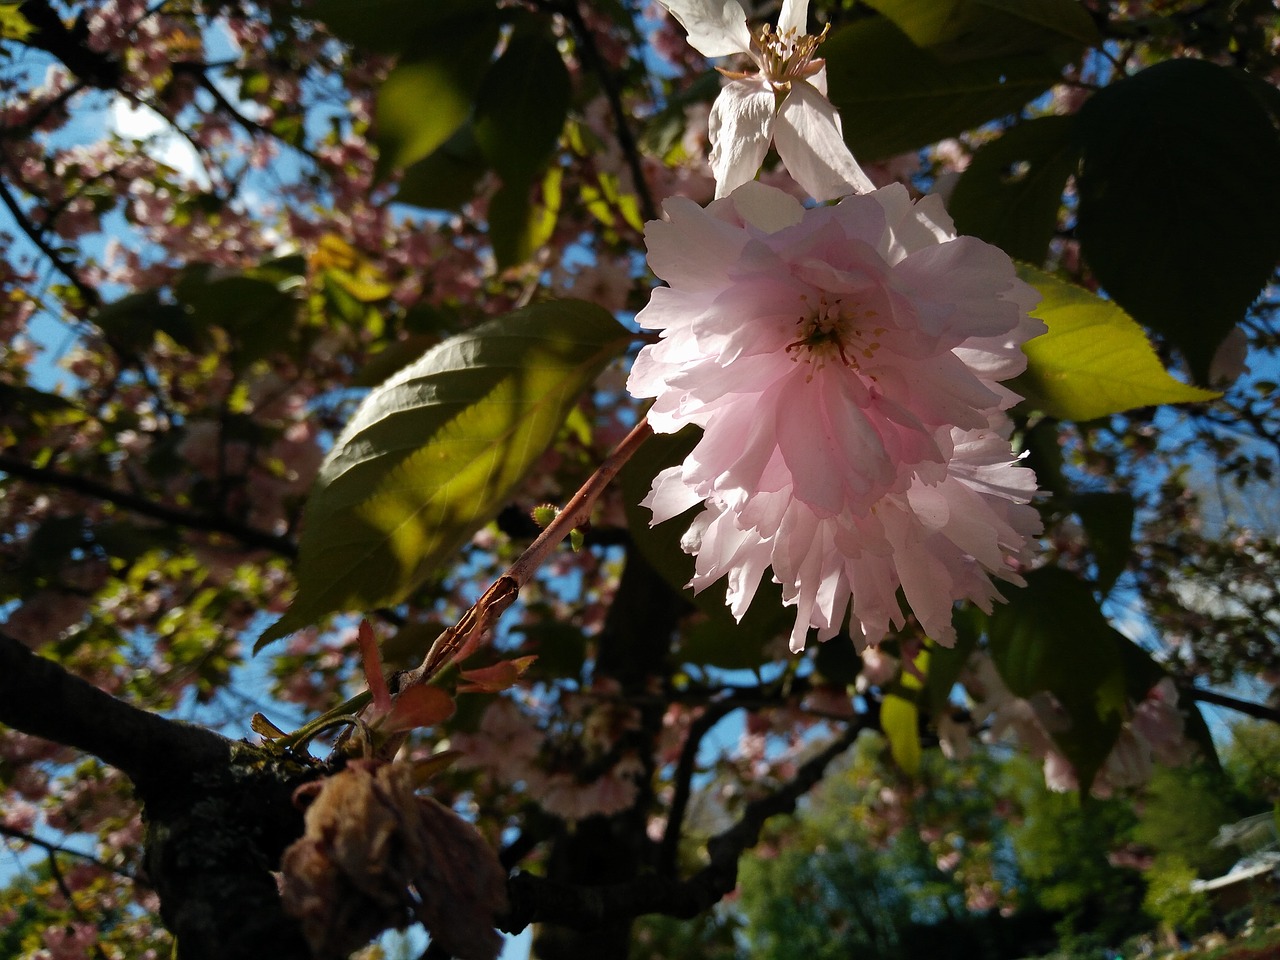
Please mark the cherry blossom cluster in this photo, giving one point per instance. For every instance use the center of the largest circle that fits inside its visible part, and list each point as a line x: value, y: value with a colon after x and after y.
x: 844, y: 364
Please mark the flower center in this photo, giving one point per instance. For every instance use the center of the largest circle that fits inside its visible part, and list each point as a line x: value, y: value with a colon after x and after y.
x: 836, y: 329
x: 784, y: 57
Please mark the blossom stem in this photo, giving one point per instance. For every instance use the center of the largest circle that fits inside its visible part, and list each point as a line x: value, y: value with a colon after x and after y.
x: 471, y: 627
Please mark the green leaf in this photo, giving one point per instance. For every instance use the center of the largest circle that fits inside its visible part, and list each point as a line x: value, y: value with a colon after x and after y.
x: 958, y: 30
x: 13, y: 25
x: 900, y: 721
x: 1108, y: 522
x: 396, y: 26
x: 433, y: 454
x: 428, y: 96
x: 1066, y: 19
x: 1095, y: 360
x: 257, y: 313
x: 894, y: 97
x: 447, y: 178
x: 521, y: 107
x: 519, y: 225
x: 1011, y: 193
x: 1179, y: 214
x: 1051, y: 637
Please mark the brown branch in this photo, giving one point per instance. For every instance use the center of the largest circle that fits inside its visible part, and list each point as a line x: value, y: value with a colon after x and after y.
x: 1257, y: 710
x: 538, y: 900
x: 53, y: 848
x: 90, y: 294
x: 219, y: 813
x: 494, y: 602
x: 683, y: 779
x: 592, y: 61
x: 187, y: 519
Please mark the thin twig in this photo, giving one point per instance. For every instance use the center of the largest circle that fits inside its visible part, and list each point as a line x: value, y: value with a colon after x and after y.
x: 52, y: 848
x: 90, y: 295
x: 592, y: 60
x: 683, y: 779
x: 187, y: 519
x: 471, y: 627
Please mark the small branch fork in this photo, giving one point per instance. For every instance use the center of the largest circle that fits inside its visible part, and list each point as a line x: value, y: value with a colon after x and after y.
x: 470, y: 629
x: 538, y: 900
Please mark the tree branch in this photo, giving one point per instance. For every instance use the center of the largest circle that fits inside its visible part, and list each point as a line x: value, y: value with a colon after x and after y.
x: 683, y: 780
x: 90, y: 295
x: 219, y: 813
x: 1257, y: 710
x: 538, y: 900
x: 186, y: 519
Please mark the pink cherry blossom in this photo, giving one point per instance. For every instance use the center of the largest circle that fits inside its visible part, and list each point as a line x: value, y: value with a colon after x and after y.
x: 844, y: 364
x: 785, y: 103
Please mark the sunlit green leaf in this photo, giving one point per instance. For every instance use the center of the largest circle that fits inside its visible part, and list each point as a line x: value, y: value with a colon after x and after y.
x: 1179, y: 214
x: 432, y: 454
x: 13, y: 25
x: 1094, y: 360
x: 895, y: 97
x: 900, y: 721
x: 1011, y: 192
x: 429, y: 95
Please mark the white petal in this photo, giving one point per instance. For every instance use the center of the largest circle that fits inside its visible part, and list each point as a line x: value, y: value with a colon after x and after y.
x: 716, y: 28
x: 794, y: 16
x: 740, y: 128
x: 767, y: 208
x: 809, y: 142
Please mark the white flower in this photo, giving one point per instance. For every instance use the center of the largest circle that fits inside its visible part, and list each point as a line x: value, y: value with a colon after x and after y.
x: 844, y: 364
x: 784, y: 103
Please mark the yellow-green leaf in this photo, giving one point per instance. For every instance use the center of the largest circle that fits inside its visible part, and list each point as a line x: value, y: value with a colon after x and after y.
x: 1095, y: 360
x: 433, y: 454
x: 13, y: 25
x: 900, y: 720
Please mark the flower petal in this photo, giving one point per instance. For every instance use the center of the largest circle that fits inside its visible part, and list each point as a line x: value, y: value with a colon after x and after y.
x: 716, y: 28
x: 740, y: 128
x: 810, y: 143
x: 794, y: 16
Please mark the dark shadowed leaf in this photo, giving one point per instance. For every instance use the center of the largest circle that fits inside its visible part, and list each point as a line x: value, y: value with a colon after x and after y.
x: 958, y: 30
x: 1094, y: 360
x: 713, y: 637
x: 519, y: 222
x: 447, y: 178
x: 433, y: 453
x: 1108, y: 522
x: 1051, y: 637
x: 1011, y: 193
x: 521, y: 107
x: 396, y: 26
x: 895, y: 97
x: 1179, y: 213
